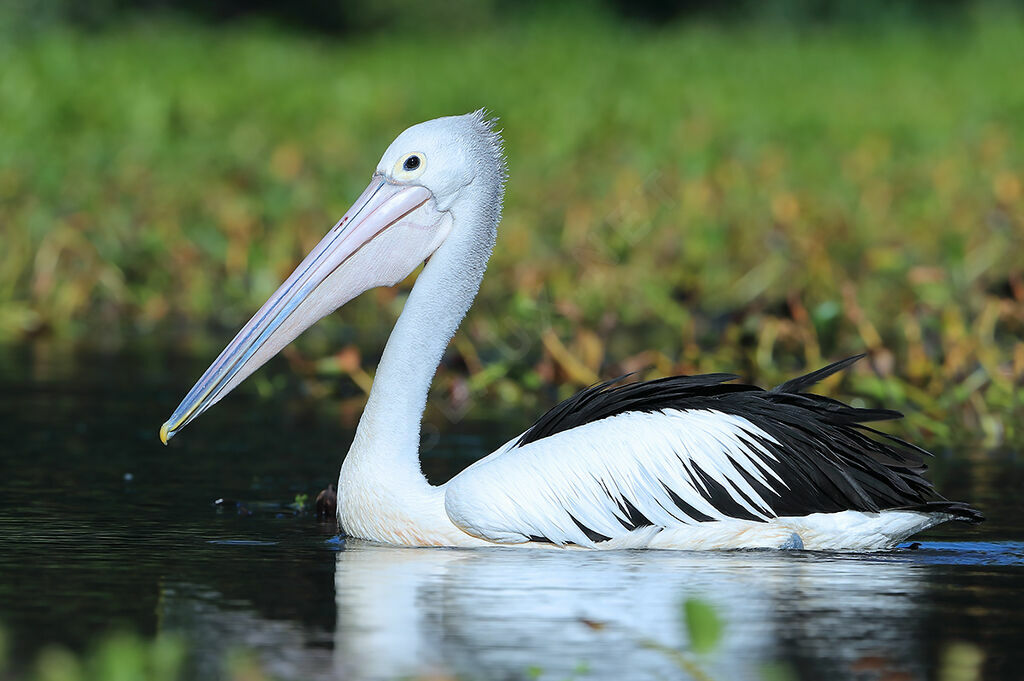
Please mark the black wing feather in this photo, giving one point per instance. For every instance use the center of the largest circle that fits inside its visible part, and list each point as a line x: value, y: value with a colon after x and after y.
x: 802, y: 383
x: 828, y: 459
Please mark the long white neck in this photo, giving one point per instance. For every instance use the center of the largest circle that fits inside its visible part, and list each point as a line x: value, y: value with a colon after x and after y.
x: 381, y: 489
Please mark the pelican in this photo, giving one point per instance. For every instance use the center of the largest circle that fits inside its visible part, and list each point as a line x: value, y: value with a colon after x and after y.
x: 684, y: 462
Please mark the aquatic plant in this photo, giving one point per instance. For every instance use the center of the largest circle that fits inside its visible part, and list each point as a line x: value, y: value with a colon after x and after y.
x: 677, y: 203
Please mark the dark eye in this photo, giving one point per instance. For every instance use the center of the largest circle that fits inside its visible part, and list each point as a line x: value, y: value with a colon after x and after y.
x: 411, y: 163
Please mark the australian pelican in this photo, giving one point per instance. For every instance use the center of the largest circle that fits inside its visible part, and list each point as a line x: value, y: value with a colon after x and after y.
x: 686, y: 462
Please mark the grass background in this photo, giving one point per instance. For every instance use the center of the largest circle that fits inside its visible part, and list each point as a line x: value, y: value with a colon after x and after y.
x: 760, y: 197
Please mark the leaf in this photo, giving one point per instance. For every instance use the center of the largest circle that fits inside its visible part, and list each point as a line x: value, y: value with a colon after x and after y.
x: 703, y: 625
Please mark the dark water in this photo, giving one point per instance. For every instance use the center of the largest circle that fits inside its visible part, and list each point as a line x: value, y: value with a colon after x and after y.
x: 102, y: 528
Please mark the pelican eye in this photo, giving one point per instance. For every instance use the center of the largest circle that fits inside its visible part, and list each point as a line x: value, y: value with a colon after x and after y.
x: 410, y: 166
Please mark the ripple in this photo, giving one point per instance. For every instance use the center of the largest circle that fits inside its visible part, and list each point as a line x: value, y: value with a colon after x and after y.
x: 968, y: 553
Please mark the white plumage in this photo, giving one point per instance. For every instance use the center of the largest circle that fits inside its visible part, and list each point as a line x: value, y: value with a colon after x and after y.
x: 589, y: 473
x: 678, y: 463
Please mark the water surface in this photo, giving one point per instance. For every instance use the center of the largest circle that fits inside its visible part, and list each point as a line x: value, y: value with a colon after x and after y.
x: 102, y: 528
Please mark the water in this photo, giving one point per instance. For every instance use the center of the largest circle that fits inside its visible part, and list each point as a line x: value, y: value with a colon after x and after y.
x: 102, y: 528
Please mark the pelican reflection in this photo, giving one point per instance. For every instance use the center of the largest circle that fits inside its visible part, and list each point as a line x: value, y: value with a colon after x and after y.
x: 496, y: 614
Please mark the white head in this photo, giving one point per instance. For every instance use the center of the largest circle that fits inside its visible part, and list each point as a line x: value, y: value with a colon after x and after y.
x: 446, y: 155
x: 433, y: 173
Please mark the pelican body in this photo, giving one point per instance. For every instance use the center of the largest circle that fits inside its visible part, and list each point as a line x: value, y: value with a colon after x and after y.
x: 685, y: 462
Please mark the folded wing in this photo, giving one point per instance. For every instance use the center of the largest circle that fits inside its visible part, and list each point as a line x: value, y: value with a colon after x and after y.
x: 687, y: 450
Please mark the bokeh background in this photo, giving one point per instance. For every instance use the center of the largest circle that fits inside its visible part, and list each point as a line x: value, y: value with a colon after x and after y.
x: 759, y: 188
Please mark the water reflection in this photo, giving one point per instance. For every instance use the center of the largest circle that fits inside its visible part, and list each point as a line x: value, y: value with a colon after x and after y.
x: 217, y: 626
x: 494, y: 614
x: 499, y: 614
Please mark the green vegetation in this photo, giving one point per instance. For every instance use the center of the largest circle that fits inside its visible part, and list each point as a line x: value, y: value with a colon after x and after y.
x: 703, y: 624
x: 129, y: 657
x: 685, y: 198
x: 118, y: 657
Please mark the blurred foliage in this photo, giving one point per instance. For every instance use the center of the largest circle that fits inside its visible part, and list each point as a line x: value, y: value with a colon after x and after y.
x: 117, y: 657
x: 124, y: 656
x: 703, y: 624
x: 345, y: 17
x: 688, y: 196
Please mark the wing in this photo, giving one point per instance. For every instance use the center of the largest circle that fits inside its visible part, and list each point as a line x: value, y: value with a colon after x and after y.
x: 687, y: 450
